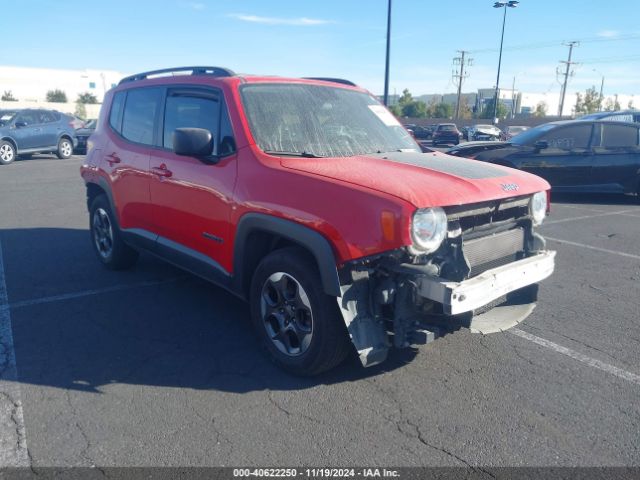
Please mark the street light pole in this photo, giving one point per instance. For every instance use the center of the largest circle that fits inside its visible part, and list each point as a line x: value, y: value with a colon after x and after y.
x: 386, y: 70
x: 511, y: 4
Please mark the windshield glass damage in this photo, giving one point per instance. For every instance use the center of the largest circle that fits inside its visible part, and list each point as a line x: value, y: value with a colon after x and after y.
x: 319, y: 121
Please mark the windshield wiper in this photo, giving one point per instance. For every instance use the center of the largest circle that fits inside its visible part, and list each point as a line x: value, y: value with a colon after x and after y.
x: 293, y: 154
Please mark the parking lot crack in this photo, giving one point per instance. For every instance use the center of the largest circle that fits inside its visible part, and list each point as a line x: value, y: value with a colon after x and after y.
x: 288, y: 413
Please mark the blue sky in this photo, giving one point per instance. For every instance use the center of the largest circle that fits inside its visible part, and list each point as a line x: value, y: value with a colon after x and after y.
x: 342, y: 38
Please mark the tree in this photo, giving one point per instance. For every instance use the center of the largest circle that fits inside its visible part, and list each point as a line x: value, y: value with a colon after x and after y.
x: 441, y: 110
x: 81, y: 110
x: 487, y: 111
x: 56, y: 96
x: 7, y: 96
x: 630, y: 105
x: 589, y: 103
x: 612, y: 105
x: 415, y: 109
x: 408, y: 107
x: 541, y: 110
x: 87, y: 98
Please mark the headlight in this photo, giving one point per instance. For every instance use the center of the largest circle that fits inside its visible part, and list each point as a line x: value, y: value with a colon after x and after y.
x: 428, y: 229
x: 538, y: 207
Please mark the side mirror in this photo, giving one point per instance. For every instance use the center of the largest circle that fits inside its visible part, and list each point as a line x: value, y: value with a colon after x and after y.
x: 20, y: 124
x: 541, y: 145
x: 192, y: 142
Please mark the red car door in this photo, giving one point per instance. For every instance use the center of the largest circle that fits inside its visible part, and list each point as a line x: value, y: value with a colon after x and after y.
x: 191, y: 197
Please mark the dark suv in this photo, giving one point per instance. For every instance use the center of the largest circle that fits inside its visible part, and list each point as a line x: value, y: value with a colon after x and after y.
x: 309, y: 199
x: 446, y: 133
x: 25, y: 132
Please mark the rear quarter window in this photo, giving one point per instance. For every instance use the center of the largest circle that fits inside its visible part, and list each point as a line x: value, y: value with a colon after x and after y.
x: 619, y: 136
x: 115, y: 116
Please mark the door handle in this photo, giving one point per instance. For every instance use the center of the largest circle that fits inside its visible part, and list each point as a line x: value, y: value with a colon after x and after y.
x: 113, y: 158
x: 162, y: 171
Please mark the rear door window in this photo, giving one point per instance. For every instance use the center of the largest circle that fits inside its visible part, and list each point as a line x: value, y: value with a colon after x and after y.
x: 47, y: 117
x: 140, y: 113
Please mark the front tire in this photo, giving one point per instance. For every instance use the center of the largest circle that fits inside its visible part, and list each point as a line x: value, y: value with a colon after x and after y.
x: 7, y: 153
x: 106, y: 239
x: 299, y: 326
x: 65, y: 149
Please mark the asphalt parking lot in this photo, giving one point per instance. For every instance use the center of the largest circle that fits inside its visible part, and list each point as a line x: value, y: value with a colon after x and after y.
x: 154, y: 367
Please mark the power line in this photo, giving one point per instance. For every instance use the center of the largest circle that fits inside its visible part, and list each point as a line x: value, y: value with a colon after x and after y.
x: 533, y: 46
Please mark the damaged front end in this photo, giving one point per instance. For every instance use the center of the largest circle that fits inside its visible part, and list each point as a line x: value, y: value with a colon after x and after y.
x: 483, y: 276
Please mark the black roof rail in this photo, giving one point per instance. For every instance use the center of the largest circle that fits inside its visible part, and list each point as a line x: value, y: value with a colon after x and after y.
x: 214, y: 71
x: 334, y: 80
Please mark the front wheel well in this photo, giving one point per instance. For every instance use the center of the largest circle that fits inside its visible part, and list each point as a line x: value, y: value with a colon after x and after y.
x: 11, y: 141
x: 259, y: 244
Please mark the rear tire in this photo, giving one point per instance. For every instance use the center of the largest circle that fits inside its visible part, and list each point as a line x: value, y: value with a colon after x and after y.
x: 7, y: 153
x: 106, y: 238
x: 65, y: 149
x: 299, y: 326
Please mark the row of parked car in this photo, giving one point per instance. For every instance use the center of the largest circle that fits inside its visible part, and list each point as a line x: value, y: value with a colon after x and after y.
x: 25, y: 132
x: 599, y: 152
x: 449, y: 132
x: 584, y: 155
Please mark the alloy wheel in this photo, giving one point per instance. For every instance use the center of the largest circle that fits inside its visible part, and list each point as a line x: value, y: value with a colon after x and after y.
x: 102, y: 232
x: 7, y: 153
x: 65, y: 148
x: 286, y: 314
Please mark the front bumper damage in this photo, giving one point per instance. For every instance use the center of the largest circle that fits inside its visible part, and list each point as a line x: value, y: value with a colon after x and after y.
x: 476, y: 292
x: 424, y: 306
x: 484, y: 277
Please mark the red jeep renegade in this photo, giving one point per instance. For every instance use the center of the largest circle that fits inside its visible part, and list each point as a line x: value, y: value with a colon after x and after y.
x: 307, y: 198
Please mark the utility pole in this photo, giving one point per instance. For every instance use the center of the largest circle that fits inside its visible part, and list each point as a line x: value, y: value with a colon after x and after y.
x: 460, y: 75
x: 568, y: 64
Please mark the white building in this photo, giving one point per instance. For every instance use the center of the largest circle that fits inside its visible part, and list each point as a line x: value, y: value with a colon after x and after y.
x: 30, y: 86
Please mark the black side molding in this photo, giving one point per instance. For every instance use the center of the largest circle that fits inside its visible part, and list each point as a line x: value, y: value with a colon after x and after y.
x: 295, y: 232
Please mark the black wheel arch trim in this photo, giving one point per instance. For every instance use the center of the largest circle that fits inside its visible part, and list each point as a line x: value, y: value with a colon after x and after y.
x: 103, y: 185
x: 297, y: 233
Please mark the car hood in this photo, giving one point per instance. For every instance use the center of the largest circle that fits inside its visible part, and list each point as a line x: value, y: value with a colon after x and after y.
x: 424, y: 179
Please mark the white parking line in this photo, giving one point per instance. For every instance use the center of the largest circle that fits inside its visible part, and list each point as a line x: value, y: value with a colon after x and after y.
x: 592, y: 362
x: 86, y: 293
x: 591, y: 247
x: 577, y: 207
x: 13, y: 439
x: 586, y: 217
